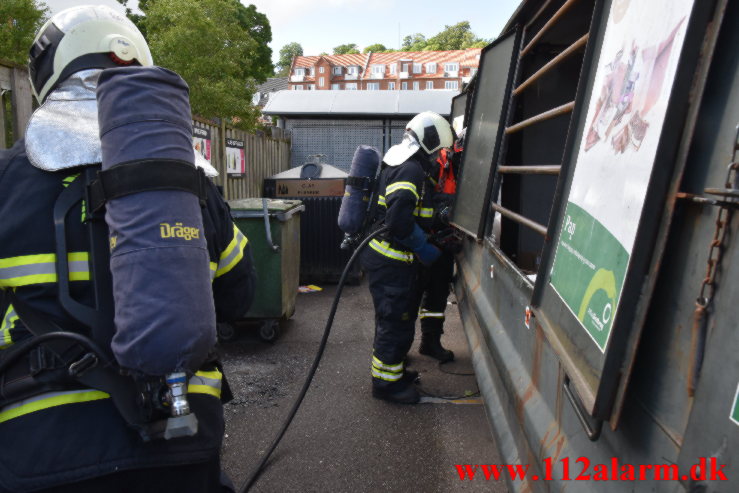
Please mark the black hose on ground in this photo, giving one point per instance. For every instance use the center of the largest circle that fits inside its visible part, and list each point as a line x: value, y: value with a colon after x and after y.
x: 326, y: 331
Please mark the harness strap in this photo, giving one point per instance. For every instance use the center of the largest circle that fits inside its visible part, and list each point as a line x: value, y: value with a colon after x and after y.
x: 147, y: 175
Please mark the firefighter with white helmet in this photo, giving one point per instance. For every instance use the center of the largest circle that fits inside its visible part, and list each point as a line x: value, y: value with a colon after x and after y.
x: 93, y: 398
x: 405, y: 206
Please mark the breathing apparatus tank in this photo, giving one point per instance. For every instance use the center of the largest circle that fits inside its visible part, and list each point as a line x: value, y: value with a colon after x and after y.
x: 358, y: 200
x: 160, y: 267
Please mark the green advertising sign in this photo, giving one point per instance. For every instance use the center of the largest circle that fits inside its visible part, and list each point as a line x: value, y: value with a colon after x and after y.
x: 589, y: 272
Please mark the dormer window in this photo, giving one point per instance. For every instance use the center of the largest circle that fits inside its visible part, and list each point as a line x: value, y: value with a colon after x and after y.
x: 431, y: 68
x: 337, y: 70
x: 378, y: 69
x: 417, y: 68
x: 451, y: 67
x: 393, y: 68
x: 352, y: 70
x: 300, y: 71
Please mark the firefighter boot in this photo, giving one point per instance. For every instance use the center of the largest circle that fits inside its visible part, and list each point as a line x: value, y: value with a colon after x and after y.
x: 402, y: 392
x: 431, y: 345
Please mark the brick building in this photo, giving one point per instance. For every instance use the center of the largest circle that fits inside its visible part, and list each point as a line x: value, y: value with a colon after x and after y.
x: 401, y: 70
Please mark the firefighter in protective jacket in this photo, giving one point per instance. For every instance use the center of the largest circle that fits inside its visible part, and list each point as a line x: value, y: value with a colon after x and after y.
x: 405, y: 206
x: 62, y: 432
x: 435, y: 279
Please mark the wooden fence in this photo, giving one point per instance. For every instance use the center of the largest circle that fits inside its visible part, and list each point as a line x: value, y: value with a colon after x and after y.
x: 265, y: 155
x: 16, y: 103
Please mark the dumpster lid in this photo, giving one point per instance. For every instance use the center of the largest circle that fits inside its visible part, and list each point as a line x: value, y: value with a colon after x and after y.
x: 255, y: 204
x: 327, y: 172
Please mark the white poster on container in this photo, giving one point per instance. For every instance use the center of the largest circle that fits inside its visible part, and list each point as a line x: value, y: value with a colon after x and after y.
x: 633, y: 83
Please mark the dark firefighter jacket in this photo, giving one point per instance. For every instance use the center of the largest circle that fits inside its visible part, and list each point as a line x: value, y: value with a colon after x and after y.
x: 405, y: 197
x: 71, y: 435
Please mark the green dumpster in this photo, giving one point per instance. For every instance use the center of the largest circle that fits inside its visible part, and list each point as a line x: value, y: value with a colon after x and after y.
x: 273, y: 229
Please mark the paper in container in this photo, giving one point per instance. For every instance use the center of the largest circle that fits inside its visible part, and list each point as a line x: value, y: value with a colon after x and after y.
x: 164, y: 311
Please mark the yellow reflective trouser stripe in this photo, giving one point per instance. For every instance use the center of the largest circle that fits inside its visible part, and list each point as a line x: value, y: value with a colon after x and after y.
x: 41, y: 268
x: 206, y: 382
x: 424, y: 212
x: 233, y: 253
x: 7, y: 323
x: 401, y: 185
x: 382, y: 366
x: 383, y: 248
x: 427, y: 314
x: 47, y: 400
x: 390, y: 373
x: 381, y: 201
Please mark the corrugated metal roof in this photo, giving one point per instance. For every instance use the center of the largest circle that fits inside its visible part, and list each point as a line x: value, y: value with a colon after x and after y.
x: 285, y: 103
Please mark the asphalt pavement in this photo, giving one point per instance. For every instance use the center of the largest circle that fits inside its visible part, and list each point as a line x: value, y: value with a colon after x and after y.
x: 343, y: 440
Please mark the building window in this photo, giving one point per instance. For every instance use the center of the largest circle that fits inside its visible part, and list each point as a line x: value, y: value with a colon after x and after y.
x: 404, y: 86
x: 320, y: 81
x: 312, y: 72
x: 378, y: 69
x: 429, y: 84
x: 320, y: 70
x: 351, y: 70
x: 451, y: 67
x: 391, y: 86
x: 417, y: 68
x: 451, y: 84
x: 299, y: 71
x: 337, y: 70
x: 351, y: 86
x: 373, y: 86
x: 416, y: 85
x: 431, y: 68
x: 335, y: 87
x: 298, y: 88
x: 406, y: 67
x: 393, y: 68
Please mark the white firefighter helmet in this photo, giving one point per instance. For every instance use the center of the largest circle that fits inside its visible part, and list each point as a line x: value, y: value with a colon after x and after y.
x: 427, y: 131
x: 79, y: 38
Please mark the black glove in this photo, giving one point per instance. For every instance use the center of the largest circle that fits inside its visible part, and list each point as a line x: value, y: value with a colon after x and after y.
x: 448, y: 240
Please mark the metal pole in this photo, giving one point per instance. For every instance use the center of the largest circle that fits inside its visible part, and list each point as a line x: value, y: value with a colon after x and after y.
x: 542, y: 230
x: 560, y: 110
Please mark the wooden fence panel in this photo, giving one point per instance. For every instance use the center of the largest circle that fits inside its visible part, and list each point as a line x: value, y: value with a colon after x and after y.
x: 264, y: 156
x: 14, y: 84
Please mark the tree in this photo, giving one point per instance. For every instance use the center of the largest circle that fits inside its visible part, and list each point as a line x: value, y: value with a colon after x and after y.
x: 456, y: 37
x: 19, y: 21
x: 204, y: 42
x: 347, y: 49
x: 376, y: 48
x: 413, y: 42
x: 257, y: 24
x: 287, y: 53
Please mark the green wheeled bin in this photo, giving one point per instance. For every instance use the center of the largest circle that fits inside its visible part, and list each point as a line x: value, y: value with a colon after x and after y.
x: 273, y: 229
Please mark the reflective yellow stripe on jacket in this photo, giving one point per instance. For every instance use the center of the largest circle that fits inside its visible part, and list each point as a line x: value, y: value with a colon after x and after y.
x: 231, y: 256
x: 383, y: 248
x: 7, y: 323
x: 424, y: 211
x: 401, y: 185
x: 41, y: 268
x: 203, y: 382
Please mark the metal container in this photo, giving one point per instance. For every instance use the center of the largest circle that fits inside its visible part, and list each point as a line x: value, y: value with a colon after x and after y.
x: 276, y: 251
x: 320, y: 187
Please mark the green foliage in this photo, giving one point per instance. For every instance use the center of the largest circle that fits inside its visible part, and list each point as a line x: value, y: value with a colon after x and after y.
x: 377, y: 48
x: 456, y: 37
x: 346, y: 49
x: 257, y: 24
x: 205, y: 42
x: 19, y: 21
x: 287, y: 53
